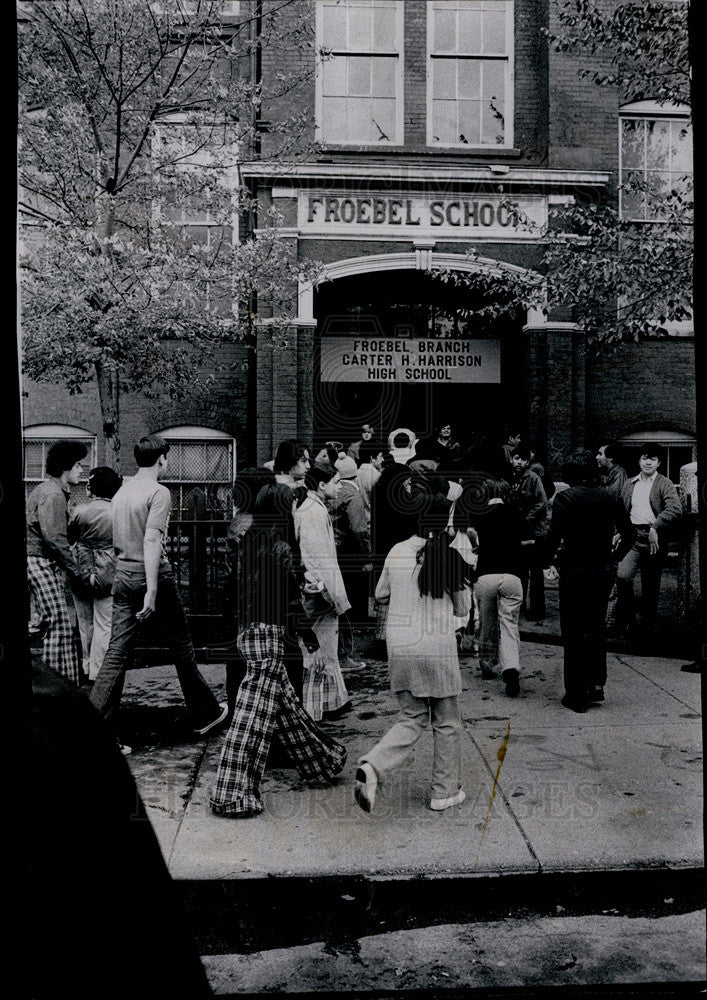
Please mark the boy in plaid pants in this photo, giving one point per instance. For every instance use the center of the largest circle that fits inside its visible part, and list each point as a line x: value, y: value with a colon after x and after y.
x: 269, y: 593
x: 50, y: 560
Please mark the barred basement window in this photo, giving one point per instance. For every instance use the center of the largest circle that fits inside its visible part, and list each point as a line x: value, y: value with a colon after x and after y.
x: 200, y: 470
x: 359, y: 92
x: 470, y: 73
x: 675, y: 449
x: 37, y: 441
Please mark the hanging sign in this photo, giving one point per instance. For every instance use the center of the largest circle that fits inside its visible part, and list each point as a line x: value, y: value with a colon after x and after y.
x: 387, y: 359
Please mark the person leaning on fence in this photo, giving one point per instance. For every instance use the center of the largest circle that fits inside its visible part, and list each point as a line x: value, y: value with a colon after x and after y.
x: 90, y: 531
x: 269, y: 597
x: 51, y: 564
x: 144, y: 590
x: 424, y: 579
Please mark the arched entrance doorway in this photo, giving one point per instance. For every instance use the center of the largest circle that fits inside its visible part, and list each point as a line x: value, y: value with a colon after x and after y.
x: 372, y: 314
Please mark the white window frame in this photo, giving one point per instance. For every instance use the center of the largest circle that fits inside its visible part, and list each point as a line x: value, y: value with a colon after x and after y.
x: 399, y: 78
x: 646, y: 111
x: 509, y: 79
x: 194, y: 434
x: 49, y: 434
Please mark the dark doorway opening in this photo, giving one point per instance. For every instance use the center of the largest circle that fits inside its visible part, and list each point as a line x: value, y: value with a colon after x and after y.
x: 415, y: 304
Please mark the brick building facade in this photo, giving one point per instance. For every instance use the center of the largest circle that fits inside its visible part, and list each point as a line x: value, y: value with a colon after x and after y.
x: 395, y: 190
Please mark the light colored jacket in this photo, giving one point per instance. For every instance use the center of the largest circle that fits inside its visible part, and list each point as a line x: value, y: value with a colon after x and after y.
x: 315, y: 536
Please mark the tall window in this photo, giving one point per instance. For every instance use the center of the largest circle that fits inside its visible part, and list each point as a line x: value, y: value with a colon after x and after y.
x: 360, y: 67
x: 655, y: 158
x: 470, y: 73
x: 199, y: 473
x: 197, y: 167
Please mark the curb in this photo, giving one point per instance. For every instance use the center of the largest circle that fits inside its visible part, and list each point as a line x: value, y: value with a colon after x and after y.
x: 246, y: 915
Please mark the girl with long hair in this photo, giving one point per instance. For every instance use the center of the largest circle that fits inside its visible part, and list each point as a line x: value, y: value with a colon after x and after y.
x: 269, y: 596
x: 424, y: 580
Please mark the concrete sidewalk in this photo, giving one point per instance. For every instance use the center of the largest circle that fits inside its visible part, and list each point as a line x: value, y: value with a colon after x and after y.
x: 617, y: 788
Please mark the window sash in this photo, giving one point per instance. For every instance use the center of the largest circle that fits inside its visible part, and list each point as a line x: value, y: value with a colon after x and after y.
x: 35, y: 456
x: 640, y: 151
x: 469, y: 85
x: 359, y: 85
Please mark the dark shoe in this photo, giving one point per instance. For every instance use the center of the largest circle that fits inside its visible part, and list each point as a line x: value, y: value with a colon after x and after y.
x: 595, y: 694
x: 488, y: 673
x: 575, y: 706
x: 366, y: 787
x: 512, y: 682
x: 215, y: 723
x: 336, y: 713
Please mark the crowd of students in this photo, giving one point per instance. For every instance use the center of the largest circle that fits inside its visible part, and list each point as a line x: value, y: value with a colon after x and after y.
x: 427, y: 543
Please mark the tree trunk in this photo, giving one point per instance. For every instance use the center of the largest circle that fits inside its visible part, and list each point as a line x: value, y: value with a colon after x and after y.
x: 108, y: 381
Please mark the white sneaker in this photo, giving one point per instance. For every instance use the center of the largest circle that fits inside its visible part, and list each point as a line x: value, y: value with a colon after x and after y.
x: 215, y: 722
x: 366, y: 787
x: 454, y: 800
x: 125, y: 750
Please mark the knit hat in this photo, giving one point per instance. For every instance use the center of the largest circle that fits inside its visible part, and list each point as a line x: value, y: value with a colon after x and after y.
x: 347, y: 468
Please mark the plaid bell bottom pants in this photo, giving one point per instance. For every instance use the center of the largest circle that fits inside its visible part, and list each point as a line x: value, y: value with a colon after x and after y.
x: 266, y: 701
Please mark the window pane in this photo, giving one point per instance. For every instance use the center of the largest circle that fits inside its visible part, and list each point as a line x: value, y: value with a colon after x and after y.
x: 383, y: 77
x: 445, y: 122
x: 359, y: 76
x: 632, y: 148
x: 658, y: 187
x: 334, y: 77
x: 470, y: 29
x: 217, y: 463
x: 444, y: 78
x: 334, y: 119
x: 493, y: 104
x: 383, y: 114
x: 658, y: 150
x: 682, y: 148
x: 494, y: 32
x: 632, y: 200
x: 359, y: 127
x: 384, y: 28
x: 34, y: 460
x: 469, y: 122
x: 445, y: 30
x: 360, y: 28
x: 469, y: 71
x: 334, y: 26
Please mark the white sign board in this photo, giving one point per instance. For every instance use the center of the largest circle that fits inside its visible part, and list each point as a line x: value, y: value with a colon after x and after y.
x: 465, y: 215
x: 409, y: 361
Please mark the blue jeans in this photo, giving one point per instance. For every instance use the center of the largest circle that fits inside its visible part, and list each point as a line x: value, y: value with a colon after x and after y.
x: 129, y: 590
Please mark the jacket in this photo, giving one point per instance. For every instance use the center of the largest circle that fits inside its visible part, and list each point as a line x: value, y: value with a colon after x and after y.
x: 47, y: 522
x: 91, y: 532
x: 530, y: 500
x: 663, y: 498
x: 351, y: 522
x: 584, y: 522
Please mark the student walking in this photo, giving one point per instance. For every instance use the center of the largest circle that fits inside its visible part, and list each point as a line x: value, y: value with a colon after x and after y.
x: 90, y: 532
x: 269, y: 596
x: 144, y: 590
x: 51, y: 564
x: 498, y: 589
x: 324, y: 690
x: 423, y: 580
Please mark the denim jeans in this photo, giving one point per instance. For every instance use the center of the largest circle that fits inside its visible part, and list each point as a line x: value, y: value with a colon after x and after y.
x: 397, y: 744
x: 128, y: 596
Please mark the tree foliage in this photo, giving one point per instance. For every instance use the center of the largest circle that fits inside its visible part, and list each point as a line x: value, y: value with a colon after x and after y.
x: 134, y: 115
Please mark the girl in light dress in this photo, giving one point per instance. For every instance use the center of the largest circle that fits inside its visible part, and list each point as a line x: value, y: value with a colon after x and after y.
x: 424, y: 579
